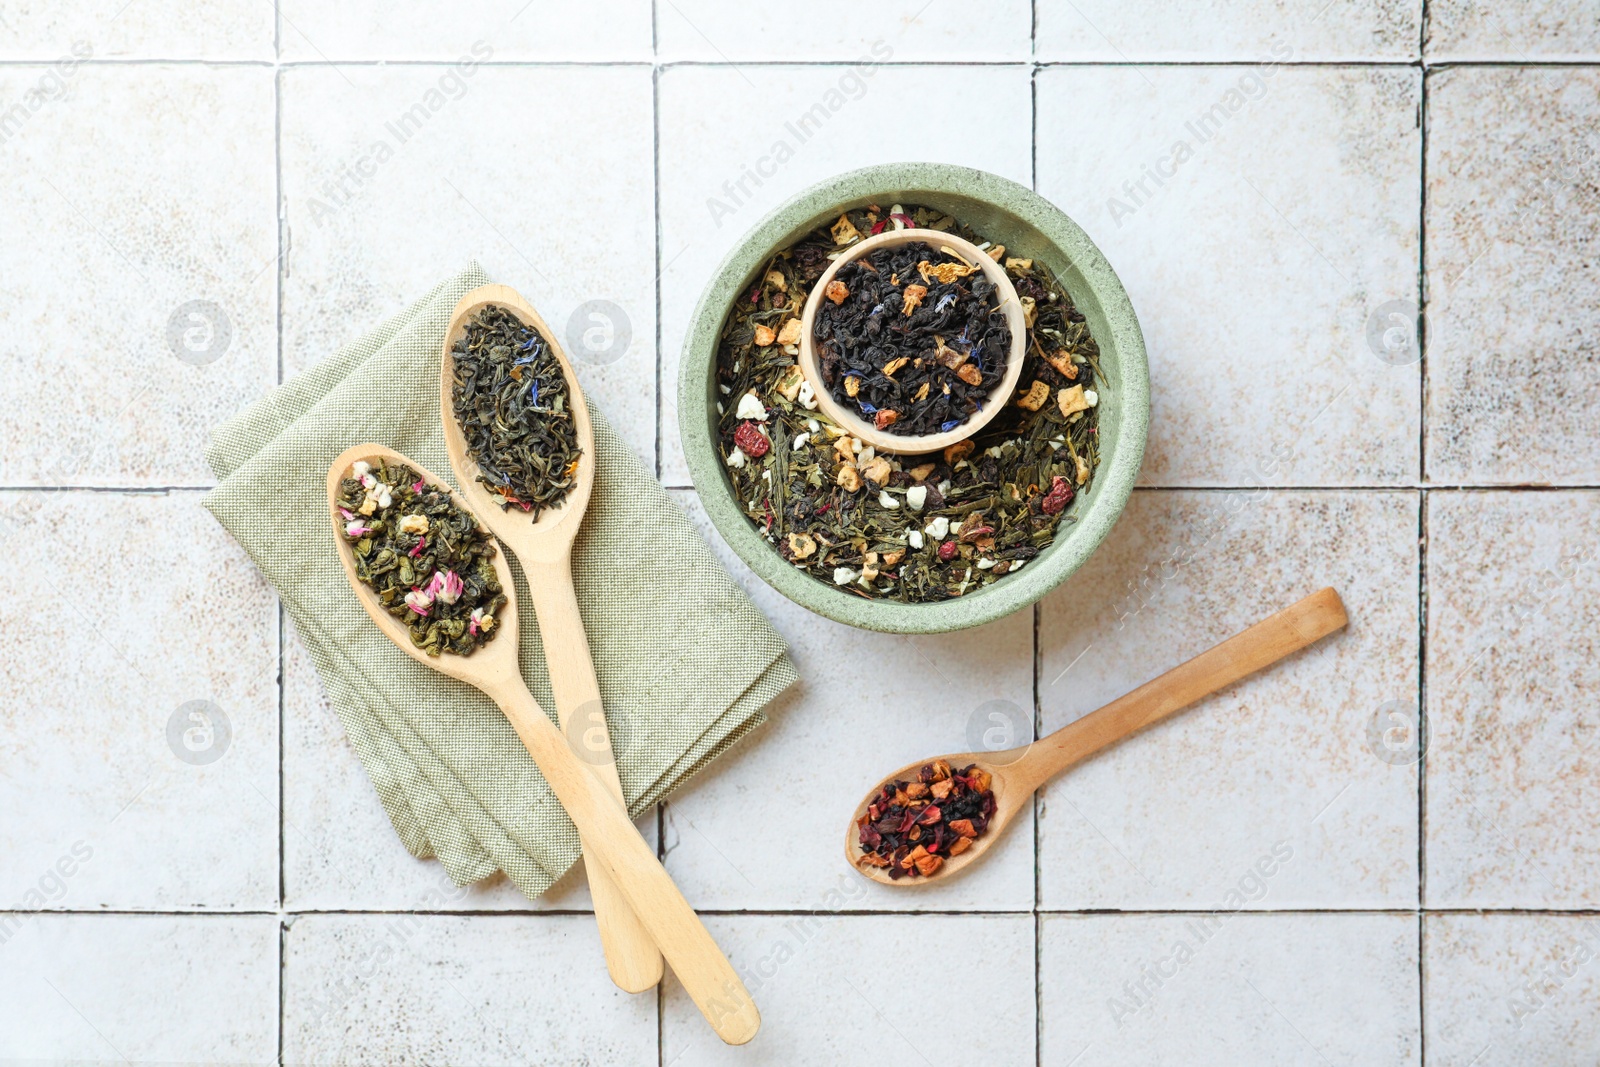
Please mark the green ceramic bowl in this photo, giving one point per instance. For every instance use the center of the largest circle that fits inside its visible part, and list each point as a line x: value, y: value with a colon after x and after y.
x: 1029, y: 226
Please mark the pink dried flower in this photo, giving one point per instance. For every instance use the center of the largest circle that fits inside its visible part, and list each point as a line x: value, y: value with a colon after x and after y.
x: 446, y: 586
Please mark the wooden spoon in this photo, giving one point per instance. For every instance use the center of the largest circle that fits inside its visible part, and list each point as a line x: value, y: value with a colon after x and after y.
x: 611, y: 841
x: 544, y: 548
x: 1017, y: 772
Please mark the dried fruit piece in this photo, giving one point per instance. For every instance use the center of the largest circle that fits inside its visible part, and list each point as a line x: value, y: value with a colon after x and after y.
x: 790, y: 334
x: 885, y: 418
x: 944, y: 272
x: 913, y: 295
x: 970, y: 374
x: 947, y: 551
x: 844, y: 231
x: 836, y: 291
x: 764, y: 336
x: 1071, y: 400
x: 1059, y: 496
x: 877, y: 471
x: 1062, y: 362
x: 849, y: 478
x: 751, y: 441
x: 802, y: 545
x: 1035, y: 397
x: 959, y: 451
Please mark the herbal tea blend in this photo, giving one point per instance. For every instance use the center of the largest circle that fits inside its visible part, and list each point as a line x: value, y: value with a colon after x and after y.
x: 908, y: 528
x: 913, y: 827
x: 514, y: 408
x: 912, y: 338
x: 427, y: 559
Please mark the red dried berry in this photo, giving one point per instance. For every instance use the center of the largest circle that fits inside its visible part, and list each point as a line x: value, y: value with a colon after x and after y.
x: 751, y: 441
x: 1059, y: 496
x: 947, y: 551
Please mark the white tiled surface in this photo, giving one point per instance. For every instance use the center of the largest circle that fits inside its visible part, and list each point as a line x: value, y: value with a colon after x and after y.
x: 1350, y: 158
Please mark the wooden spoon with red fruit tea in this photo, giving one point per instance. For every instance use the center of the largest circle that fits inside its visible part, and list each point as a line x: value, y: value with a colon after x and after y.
x: 1013, y: 775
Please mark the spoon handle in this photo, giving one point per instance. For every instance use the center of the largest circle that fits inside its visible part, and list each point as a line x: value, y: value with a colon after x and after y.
x: 631, y: 955
x: 1238, y: 657
x: 611, y: 839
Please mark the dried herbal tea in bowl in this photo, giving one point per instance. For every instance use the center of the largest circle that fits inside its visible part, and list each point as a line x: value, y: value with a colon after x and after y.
x: 912, y: 337
x: 913, y: 827
x: 515, y: 411
x: 910, y: 528
x: 429, y: 561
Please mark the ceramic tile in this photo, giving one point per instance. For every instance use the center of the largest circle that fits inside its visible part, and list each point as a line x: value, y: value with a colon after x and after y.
x: 1513, y: 327
x: 170, y: 253
x: 138, y: 988
x: 711, y: 192
x: 826, y: 989
x: 401, y: 989
x: 1513, y: 732
x: 1285, y: 762
x: 1109, y: 31
x: 397, y: 177
x: 540, y: 30
x: 145, y: 755
x: 1511, y: 990
x: 145, y: 29
x: 1533, y: 30
x: 726, y: 31
x: 867, y: 704
x: 340, y: 850
x: 1223, y: 989
x: 1264, y: 221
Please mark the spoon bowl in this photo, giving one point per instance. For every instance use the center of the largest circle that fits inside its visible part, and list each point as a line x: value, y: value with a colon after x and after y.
x: 497, y: 656
x: 1016, y: 773
x: 553, y: 531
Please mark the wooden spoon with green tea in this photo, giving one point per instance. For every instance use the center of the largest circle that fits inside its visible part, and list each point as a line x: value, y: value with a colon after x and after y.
x: 541, y: 538
x: 1013, y: 774
x: 611, y: 842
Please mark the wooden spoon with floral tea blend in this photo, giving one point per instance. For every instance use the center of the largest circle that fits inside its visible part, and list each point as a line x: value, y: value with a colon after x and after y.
x: 947, y: 811
x: 611, y: 842
x: 524, y: 408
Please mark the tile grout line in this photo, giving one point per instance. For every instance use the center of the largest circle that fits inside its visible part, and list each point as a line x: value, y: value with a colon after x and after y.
x: 1421, y: 721
x: 1588, y: 62
x: 281, y: 220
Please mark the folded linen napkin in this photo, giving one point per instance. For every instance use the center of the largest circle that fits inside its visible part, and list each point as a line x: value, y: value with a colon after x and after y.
x: 685, y: 661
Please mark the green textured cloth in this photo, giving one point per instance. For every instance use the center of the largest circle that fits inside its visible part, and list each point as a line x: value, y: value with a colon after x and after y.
x: 685, y: 661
